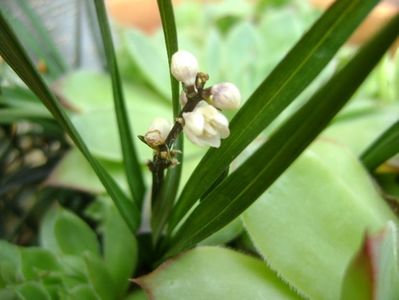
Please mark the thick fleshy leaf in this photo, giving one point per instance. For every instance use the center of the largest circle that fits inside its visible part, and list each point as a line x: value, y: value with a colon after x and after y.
x: 84, y: 292
x: 65, y: 233
x: 37, y: 262
x: 66, y: 174
x: 98, y: 91
x: 358, y: 280
x: 374, y: 271
x: 120, y: 248
x: 10, y: 264
x: 104, y: 141
x: 301, y: 65
x: 74, y: 270
x: 32, y: 291
x: 359, y: 127
x: 214, y: 273
x: 150, y: 60
x: 74, y: 172
x: 243, y: 38
x: 8, y: 294
x: 138, y: 295
x: 311, y: 221
x: 96, y: 98
x: 213, y: 56
x: 224, y: 235
x: 99, y: 277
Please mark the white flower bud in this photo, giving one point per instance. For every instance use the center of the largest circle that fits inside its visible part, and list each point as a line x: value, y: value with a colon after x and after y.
x: 184, y: 67
x: 205, y: 125
x: 158, y: 132
x: 225, y: 96
x: 183, y: 98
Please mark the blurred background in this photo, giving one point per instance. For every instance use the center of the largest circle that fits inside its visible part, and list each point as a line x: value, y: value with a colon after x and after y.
x: 69, y: 21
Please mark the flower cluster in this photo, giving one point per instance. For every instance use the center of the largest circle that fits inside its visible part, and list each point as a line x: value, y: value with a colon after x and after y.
x: 201, y: 118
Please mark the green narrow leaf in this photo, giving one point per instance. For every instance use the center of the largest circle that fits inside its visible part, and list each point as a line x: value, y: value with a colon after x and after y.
x: 11, y: 115
x: 132, y: 166
x: 249, y: 181
x: 163, y: 206
x: 169, y: 29
x: 386, y: 146
x: 301, y: 65
x: 14, y: 54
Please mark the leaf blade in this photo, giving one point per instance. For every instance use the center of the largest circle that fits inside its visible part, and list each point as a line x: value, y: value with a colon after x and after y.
x: 383, y: 148
x: 301, y: 65
x: 132, y: 167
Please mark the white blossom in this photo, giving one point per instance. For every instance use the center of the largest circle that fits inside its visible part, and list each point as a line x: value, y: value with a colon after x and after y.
x: 225, y: 96
x: 205, y: 125
x: 158, y: 132
x: 184, y: 67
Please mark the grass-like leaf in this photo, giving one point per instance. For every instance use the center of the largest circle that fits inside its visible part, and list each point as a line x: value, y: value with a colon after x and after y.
x: 248, y: 182
x: 383, y: 148
x: 130, y: 160
x: 298, y: 69
x: 14, y: 54
x: 163, y: 205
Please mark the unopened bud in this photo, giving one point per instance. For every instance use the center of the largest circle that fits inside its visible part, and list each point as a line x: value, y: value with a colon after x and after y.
x: 184, y: 67
x: 157, y: 132
x: 225, y: 96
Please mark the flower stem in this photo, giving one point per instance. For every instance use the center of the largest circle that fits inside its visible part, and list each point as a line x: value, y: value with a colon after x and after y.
x: 164, y: 155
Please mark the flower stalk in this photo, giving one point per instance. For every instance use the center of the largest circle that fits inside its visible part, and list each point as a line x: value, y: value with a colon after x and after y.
x: 164, y: 155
